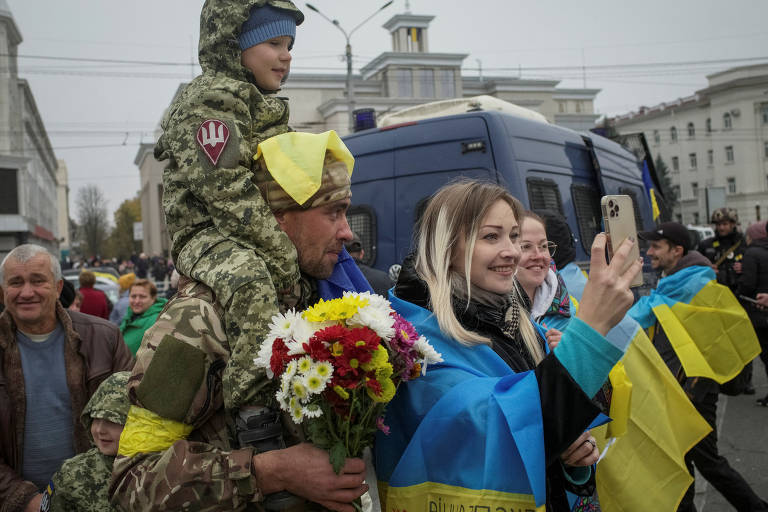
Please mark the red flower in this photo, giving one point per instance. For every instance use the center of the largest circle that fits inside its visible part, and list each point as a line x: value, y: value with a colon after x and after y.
x: 279, y: 357
x: 317, y: 349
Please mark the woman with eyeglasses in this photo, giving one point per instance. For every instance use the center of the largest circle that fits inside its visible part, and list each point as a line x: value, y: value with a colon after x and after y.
x: 546, y: 294
x: 498, y: 423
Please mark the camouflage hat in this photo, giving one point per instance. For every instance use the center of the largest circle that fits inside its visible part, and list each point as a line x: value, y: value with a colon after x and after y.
x: 312, y: 170
x: 110, y: 401
x: 725, y: 214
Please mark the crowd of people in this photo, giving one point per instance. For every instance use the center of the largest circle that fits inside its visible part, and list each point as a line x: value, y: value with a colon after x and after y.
x: 136, y: 408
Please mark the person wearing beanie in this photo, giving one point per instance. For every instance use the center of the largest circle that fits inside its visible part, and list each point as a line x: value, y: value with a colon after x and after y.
x: 82, y: 482
x: 753, y: 281
x: 121, y: 306
x: 222, y: 231
x: 191, y: 365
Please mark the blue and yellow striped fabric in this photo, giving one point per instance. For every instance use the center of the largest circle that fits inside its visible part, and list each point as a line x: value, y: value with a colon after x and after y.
x: 654, y: 426
x: 467, y: 436
x: 707, y: 327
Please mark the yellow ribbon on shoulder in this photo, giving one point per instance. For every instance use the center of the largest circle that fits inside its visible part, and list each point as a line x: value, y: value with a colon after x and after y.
x: 295, y: 160
x: 147, y: 432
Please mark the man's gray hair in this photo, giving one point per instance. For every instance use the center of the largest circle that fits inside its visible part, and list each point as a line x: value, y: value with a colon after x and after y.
x: 26, y: 252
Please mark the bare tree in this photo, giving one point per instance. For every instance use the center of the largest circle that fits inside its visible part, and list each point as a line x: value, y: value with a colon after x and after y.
x: 92, y: 216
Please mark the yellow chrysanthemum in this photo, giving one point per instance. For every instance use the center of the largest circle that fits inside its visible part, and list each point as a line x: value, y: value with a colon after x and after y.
x: 335, y: 310
x: 380, y: 357
x: 337, y: 349
x: 384, y: 371
x: 341, y: 392
x: 387, y: 391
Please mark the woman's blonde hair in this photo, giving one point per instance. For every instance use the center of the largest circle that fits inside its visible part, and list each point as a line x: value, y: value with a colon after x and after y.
x: 453, y: 215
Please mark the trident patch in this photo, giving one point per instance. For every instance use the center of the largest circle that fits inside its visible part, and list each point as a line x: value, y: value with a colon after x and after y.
x: 212, y: 136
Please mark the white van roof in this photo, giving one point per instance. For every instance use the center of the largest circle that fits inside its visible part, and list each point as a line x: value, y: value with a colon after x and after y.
x: 458, y: 106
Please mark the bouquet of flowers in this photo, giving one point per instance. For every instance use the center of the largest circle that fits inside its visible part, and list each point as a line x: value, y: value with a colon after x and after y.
x: 338, y: 363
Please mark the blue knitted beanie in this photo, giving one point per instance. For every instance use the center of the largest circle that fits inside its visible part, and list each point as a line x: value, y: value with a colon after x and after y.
x: 265, y: 23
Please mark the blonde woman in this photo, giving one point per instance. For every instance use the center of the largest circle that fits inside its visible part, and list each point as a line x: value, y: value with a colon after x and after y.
x: 499, y: 423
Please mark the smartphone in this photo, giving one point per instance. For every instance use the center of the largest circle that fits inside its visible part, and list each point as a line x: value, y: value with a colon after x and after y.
x: 619, y: 221
x: 748, y: 299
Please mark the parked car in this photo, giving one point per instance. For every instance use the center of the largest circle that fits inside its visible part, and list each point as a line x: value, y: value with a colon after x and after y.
x: 699, y: 233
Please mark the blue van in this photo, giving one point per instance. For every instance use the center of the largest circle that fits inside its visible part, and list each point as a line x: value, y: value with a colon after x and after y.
x: 399, y: 167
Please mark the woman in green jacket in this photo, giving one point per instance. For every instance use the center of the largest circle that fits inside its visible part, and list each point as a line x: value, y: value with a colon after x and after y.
x: 144, y: 308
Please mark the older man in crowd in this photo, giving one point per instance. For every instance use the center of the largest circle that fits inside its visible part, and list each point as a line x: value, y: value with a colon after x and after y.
x: 205, y: 465
x: 52, y: 362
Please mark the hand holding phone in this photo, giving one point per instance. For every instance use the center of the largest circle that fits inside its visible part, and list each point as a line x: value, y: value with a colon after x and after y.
x: 619, y: 221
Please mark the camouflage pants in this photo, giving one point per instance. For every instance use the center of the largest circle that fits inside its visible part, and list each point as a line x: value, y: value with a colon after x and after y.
x: 242, y: 284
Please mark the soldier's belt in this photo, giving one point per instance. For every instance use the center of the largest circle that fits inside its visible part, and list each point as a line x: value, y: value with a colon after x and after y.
x: 146, y: 432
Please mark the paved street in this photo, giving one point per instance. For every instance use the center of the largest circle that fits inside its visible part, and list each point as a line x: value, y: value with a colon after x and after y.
x: 743, y: 441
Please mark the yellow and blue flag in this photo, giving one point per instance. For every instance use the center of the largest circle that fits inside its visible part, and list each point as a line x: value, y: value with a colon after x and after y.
x: 469, y: 436
x: 706, y: 326
x: 654, y: 424
x: 651, y: 189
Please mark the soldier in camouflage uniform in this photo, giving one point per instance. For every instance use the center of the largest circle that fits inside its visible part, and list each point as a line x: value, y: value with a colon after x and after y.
x: 179, y: 377
x: 217, y: 220
x: 82, y: 482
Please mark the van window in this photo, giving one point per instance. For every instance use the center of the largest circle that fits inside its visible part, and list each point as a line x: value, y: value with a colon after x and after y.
x: 633, y: 194
x: 543, y: 194
x: 586, y: 203
x: 362, y: 220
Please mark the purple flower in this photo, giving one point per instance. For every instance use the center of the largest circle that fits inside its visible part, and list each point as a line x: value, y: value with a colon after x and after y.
x: 381, y: 426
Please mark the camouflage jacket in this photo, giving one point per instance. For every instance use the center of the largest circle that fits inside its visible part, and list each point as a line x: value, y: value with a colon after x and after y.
x: 81, y: 484
x: 208, y: 197
x: 178, y: 376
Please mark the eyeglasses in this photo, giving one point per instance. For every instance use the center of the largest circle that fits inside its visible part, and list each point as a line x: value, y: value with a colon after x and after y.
x: 528, y: 247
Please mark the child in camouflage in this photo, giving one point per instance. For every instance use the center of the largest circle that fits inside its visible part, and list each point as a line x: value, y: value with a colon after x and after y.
x: 82, y: 482
x: 223, y: 233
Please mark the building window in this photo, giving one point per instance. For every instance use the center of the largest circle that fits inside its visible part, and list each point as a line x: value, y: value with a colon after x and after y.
x: 679, y: 217
x: 675, y: 163
x: 691, y: 131
x: 757, y: 212
x: 9, y: 192
x: 405, y: 83
x: 578, y: 106
x: 676, y: 191
x: 729, y: 154
x: 657, y: 137
x: 727, y: 121
x: 765, y: 149
x: 708, y: 125
x: 426, y: 83
x: 561, y: 107
x: 696, y: 218
x: 695, y: 189
x: 673, y: 134
x: 447, y: 83
x: 710, y: 157
x: 692, y: 160
x: 731, y: 185
x: 764, y: 114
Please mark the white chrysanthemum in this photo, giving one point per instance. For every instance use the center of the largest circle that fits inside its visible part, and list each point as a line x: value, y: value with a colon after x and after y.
x: 297, y: 414
x: 324, y: 369
x: 314, y: 383
x: 428, y: 354
x: 290, y: 369
x: 281, y: 325
x: 312, y: 411
x: 298, y: 388
x: 304, y: 365
x: 282, y: 396
x: 376, y: 315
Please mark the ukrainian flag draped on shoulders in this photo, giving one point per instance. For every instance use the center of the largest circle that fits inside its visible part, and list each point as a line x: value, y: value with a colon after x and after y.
x: 477, y: 446
x: 654, y: 423
x: 707, y: 327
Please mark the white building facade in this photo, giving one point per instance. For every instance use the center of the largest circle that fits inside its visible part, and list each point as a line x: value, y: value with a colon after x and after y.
x: 411, y: 75
x: 28, y: 183
x: 715, y: 144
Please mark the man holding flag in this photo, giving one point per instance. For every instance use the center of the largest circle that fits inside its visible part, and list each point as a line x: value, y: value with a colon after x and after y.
x: 705, y: 338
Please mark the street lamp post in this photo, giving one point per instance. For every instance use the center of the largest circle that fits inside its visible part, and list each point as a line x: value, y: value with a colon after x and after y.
x: 348, y: 55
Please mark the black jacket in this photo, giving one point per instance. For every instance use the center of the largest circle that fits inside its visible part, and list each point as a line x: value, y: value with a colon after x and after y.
x: 566, y: 410
x: 715, y: 247
x: 754, y: 269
